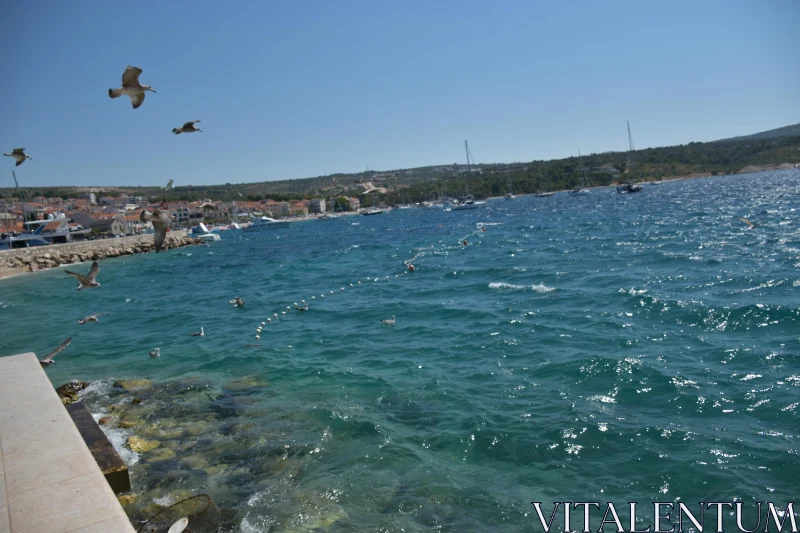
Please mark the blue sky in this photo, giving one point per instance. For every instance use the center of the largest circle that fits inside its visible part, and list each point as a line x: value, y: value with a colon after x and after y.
x: 299, y: 89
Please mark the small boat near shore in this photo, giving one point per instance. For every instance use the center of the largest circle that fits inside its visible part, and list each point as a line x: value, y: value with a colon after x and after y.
x: 261, y: 223
x: 201, y: 233
x: 373, y: 211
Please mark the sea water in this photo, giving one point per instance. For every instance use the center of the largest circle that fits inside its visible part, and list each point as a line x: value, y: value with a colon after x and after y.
x: 605, y: 347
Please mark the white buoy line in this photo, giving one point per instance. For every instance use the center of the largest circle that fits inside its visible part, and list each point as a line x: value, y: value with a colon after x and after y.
x: 409, y: 264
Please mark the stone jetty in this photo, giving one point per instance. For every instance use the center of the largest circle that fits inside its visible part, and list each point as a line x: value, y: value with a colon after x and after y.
x: 40, y: 257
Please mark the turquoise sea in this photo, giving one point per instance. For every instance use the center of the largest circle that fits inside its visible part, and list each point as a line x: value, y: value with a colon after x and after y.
x: 607, y: 348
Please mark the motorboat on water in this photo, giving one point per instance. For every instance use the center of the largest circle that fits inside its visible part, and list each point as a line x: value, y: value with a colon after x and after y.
x: 373, y: 211
x: 261, y: 223
x: 201, y: 233
x: 466, y: 202
x: 628, y: 188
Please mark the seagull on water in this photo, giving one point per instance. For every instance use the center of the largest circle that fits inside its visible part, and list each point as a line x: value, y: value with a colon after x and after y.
x: 189, y: 127
x: 303, y: 307
x: 237, y: 302
x: 87, y: 281
x: 155, y: 353
x: 90, y: 318
x: 389, y: 321
x: 200, y: 333
x: 160, y: 219
x: 20, y: 155
x: 48, y: 360
x: 131, y: 87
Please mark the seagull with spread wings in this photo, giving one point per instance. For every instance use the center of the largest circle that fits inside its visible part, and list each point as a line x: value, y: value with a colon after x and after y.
x: 87, y: 281
x: 131, y: 87
x: 48, y: 360
x: 90, y: 318
x: 189, y: 127
x: 750, y: 225
x: 160, y: 219
x: 20, y: 155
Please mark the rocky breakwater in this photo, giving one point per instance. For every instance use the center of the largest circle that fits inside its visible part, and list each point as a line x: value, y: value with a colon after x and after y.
x: 37, y: 258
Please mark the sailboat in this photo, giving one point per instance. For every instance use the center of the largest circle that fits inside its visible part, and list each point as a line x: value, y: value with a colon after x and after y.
x: 510, y: 194
x: 467, y: 202
x: 626, y: 187
x: 542, y: 193
x: 584, y: 187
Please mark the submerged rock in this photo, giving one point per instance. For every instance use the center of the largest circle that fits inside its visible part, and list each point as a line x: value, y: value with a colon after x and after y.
x: 127, y: 499
x: 69, y: 391
x: 131, y: 385
x: 162, y: 454
x: 247, y: 382
x: 140, y: 445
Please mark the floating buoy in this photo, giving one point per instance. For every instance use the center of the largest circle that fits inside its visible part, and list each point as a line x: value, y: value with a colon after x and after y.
x: 283, y: 312
x: 275, y: 315
x: 411, y: 268
x: 258, y: 337
x: 313, y: 297
x: 268, y: 320
x: 351, y: 284
x: 341, y: 289
x: 322, y: 296
x: 264, y: 323
x: 331, y: 292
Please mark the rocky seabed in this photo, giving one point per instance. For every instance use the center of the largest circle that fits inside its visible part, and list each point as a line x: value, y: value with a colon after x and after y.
x: 40, y: 257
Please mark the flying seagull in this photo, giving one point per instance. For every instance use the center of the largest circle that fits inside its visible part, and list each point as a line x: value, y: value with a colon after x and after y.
x: 20, y: 155
x: 389, y: 321
x: 200, y: 333
x: 160, y: 219
x: 90, y: 318
x: 156, y: 353
x: 370, y: 188
x: 750, y: 225
x: 87, y: 281
x: 131, y: 87
x: 47, y: 361
x: 189, y: 127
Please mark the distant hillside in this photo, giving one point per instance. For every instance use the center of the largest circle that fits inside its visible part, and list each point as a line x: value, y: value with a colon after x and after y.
x: 485, y: 180
x: 786, y: 131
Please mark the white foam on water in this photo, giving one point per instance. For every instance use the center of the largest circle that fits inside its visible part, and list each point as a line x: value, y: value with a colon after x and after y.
x: 541, y: 287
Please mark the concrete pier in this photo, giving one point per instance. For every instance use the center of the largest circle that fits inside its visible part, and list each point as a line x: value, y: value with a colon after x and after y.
x: 49, y: 481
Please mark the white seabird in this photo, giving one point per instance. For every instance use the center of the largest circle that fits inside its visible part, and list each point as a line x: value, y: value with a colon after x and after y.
x: 389, y: 321
x: 160, y: 219
x: 200, y: 333
x: 156, y: 353
x: 131, y: 87
x: 87, y: 281
x: 48, y: 360
x: 187, y: 128
x: 20, y: 155
x: 90, y: 318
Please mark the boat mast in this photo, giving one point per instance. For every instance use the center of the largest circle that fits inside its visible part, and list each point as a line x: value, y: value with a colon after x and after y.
x: 630, y: 149
x: 466, y: 187
x: 19, y: 194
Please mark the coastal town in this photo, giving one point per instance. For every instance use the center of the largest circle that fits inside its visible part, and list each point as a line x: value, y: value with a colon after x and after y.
x: 93, y: 216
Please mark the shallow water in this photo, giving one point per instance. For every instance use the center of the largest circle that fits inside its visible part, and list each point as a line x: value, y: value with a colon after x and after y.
x: 606, y: 347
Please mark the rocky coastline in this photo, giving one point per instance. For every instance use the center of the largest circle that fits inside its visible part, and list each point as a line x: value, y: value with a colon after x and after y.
x: 19, y: 261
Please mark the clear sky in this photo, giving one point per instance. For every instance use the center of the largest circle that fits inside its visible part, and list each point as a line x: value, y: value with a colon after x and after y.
x: 299, y: 89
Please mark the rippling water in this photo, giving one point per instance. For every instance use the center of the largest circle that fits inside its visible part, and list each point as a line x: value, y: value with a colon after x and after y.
x: 607, y: 347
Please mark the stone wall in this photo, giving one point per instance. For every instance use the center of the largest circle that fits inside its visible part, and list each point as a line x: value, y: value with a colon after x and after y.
x: 53, y: 255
